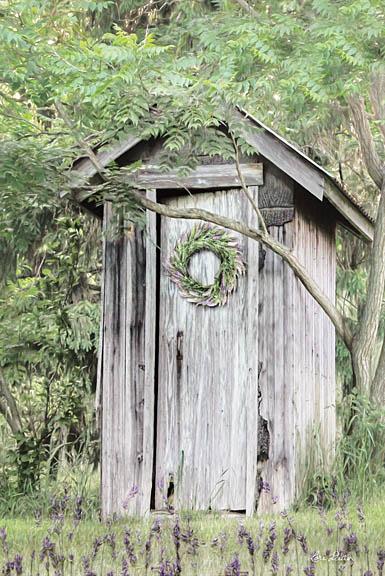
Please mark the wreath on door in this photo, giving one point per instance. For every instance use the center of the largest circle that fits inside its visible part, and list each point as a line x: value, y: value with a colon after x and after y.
x: 225, y: 247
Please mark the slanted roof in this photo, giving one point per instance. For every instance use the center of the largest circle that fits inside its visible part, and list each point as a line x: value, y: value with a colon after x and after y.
x: 266, y: 142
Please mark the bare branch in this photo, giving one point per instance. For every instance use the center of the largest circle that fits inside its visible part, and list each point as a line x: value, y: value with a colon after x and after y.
x: 365, y: 139
x: 268, y: 241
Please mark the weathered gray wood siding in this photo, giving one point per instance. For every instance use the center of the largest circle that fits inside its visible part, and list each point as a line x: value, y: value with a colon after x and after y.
x: 296, y: 349
x: 123, y: 371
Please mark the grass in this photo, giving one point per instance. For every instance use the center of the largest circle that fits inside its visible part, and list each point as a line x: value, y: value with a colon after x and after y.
x: 336, y: 542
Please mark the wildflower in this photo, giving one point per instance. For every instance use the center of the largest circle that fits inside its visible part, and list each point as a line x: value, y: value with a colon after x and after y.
x: 274, y: 563
x: 78, y: 511
x: 124, y: 571
x: 110, y: 540
x: 242, y: 533
x: 250, y: 545
x: 310, y: 569
x: 87, y: 567
x: 4, y: 542
x: 303, y: 543
x: 269, y: 544
x: 47, y: 549
x: 264, y: 486
x: 156, y: 527
x: 133, y: 491
x: 8, y: 568
x: 234, y: 567
x: 288, y: 570
x: 96, y: 545
x: 129, y: 547
x: 380, y: 561
x: 166, y: 568
x: 351, y: 543
x: 18, y: 564
x: 288, y: 536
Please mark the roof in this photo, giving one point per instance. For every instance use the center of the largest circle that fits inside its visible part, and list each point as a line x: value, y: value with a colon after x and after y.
x: 318, y: 167
x: 288, y: 158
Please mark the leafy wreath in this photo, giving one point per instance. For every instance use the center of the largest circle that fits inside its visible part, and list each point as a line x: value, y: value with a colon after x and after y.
x: 225, y: 246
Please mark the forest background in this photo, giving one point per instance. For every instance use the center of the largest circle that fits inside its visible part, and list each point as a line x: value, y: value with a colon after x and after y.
x: 79, y: 73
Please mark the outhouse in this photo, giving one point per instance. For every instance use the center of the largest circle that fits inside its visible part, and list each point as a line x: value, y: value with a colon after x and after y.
x: 216, y: 402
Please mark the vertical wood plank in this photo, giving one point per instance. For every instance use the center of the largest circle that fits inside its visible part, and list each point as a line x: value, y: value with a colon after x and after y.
x: 122, y: 371
x: 150, y: 357
x: 252, y: 335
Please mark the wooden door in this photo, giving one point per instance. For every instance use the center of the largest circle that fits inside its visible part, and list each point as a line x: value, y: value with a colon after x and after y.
x: 206, y: 441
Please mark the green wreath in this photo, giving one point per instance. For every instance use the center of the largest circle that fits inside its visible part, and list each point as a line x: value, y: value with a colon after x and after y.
x: 217, y: 240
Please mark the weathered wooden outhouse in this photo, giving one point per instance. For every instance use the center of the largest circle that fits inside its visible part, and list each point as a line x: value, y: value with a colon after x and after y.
x: 203, y: 405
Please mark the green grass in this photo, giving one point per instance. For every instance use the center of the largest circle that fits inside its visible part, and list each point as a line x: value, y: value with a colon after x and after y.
x: 25, y: 536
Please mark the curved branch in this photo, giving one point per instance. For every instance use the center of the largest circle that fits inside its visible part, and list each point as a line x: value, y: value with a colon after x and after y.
x: 268, y: 241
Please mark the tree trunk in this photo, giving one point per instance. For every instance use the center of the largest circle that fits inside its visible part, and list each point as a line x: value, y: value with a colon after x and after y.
x: 364, y: 342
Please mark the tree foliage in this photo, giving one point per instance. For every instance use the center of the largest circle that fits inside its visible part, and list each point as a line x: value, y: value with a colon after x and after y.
x: 78, y: 73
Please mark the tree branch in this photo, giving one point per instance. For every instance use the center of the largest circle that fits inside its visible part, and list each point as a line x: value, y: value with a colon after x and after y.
x: 8, y: 407
x: 246, y: 7
x: 377, y: 98
x: 268, y: 241
x: 246, y: 190
x: 260, y: 236
x: 365, y: 139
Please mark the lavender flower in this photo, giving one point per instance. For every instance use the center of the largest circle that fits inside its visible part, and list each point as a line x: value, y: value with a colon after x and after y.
x: 264, y: 486
x: 233, y: 568
x: 133, y: 491
x: 110, y: 540
x: 351, y: 543
x: 124, y: 571
x: 380, y: 561
x: 96, y: 546
x: 78, y: 511
x: 288, y: 536
x: 269, y: 544
x: 47, y: 549
x: 87, y: 567
x: 4, y: 542
x: 275, y: 563
x: 129, y: 547
x: 303, y: 543
x: 18, y: 564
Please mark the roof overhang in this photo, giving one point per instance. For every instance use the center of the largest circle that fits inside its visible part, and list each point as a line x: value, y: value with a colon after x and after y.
x: 268, y: 144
